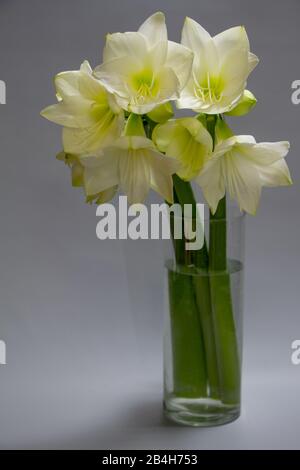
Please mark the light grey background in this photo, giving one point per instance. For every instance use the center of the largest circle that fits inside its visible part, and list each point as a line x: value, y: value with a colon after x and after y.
x: 84, y: 344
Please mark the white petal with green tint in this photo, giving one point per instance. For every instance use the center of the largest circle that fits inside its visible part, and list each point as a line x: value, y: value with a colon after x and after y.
x: 180, y: 59
x: 154, y: 28
x: 220, y: 68
x: 243, y: 167
x: 276, y: 174
x: 90, y: 115
x: 100, y: 172
x: 244, y: 105
x: 91, y: 139
x: 264, y: 153
x: 104, y: 196
x: 232, y: 38
x: 242, y: 181
x: 212, y: 182
x: 134, y: 174
x: 132, y: 44
x: 253, y: 61
x: 139, y: 89
x: 196, y: 38
x: 133, y: 164
x: 144, y: 69
x: 70, y: 115
x: 186, y: 140
x: 161, y: 171
x: 162, y: 113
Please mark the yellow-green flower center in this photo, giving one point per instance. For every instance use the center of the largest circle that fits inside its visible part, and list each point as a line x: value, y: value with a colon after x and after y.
x: 145, y: 86
x: 209, y: 90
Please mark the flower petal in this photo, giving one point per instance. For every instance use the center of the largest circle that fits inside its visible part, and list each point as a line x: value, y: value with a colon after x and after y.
x: 242, y: 181
x: 230, y: 39
x: 264, y: 153
x: 100, y: 173
x: 86, y: 68
x: 201, y: 43
x: 244, y: 105
x: 180, y: 59
x: 67, y: 83
x: 235, y: 38
x: 90, y: 139
x: 104, y: 196
x: 134, y: 173
x: 212, y: 183
x: 188, y: 141
x: 75, y: 114
x: 277, y: 174
x: 131, y: 44
x: 78, y: 84
x: 161, y: 170
x: 115, y: 74
x: 194, y: 36
x: 168, y: 84
x: 91, y: 88
x: 154, y: 28
x: 161, y: 113
x: 234, y: 71
x: 164, y: 134
x: 253, y: 61
x: 157, y: 56
x: 188, y: 99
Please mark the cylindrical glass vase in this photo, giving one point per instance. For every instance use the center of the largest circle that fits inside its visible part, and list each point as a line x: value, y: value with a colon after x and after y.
x: 203, y: 326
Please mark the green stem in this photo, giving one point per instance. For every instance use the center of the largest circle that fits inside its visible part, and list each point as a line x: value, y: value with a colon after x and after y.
x: 202, y: 291
x: 217, y: 238
x: 189, y: 368
x: 184, y: 195
x: 224, y: 323
x: 189, y: 371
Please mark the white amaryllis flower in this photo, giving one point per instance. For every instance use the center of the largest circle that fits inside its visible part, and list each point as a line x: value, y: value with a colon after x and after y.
x: 90, y: 115
x: 188, y: 141
x: 220, y: 69
x: 143, y: 69
x: 133, y: 164
x: 243, y: 167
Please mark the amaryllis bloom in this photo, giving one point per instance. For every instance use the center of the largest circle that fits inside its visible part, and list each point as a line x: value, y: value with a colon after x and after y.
x: 143, y: 69
x: 220, y: 69
x: 90, y: 115
x: 188, y: 141
x: 133, y: 164
x: 243, y: 167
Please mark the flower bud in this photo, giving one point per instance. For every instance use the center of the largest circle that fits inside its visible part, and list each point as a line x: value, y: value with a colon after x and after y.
x: 244, y: 106
x: 161, y: 113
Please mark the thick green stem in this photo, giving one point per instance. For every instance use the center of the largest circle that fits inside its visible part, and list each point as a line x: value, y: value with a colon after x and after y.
x: 217, y: 238
x: 201, y: 288
x: 189, y: 371
x: 185, y: 195
x: 189, y: 366
x: 223, y: 317
x: 202, y: 292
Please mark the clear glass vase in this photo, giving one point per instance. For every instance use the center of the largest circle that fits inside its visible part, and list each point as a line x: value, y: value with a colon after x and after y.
x: 203, y: 326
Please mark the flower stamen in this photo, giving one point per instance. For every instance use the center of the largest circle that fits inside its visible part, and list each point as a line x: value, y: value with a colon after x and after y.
x: 210, y: 90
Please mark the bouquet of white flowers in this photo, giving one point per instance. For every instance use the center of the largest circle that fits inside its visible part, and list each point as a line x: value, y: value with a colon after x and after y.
x: 119, y: 133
